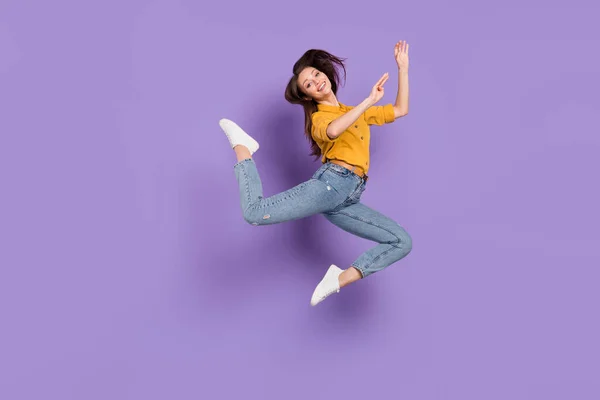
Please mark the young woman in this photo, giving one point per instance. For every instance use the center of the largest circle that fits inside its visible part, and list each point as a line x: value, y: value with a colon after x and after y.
x: 340, y: 136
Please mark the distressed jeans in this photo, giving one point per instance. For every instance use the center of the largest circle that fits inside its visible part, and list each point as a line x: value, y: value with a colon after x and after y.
x: 334, y: 192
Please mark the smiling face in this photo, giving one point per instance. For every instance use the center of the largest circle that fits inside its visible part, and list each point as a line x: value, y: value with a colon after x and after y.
x: 314, y: 84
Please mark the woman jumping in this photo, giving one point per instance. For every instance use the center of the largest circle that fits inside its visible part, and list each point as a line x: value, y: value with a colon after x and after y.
x: 340, y: 136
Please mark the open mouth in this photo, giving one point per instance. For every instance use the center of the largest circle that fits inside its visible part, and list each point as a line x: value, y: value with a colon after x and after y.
x: 321, y: 87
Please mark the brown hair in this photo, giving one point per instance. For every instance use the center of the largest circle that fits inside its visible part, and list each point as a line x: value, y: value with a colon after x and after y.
x: 324, y: 62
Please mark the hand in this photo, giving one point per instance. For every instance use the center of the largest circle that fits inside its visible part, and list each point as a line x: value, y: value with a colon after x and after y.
x: 377, y: 91
x: 401, y: 54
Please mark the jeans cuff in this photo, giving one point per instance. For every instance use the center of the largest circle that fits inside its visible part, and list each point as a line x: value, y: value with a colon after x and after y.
x: 244, y: 161
x: 362, y: 271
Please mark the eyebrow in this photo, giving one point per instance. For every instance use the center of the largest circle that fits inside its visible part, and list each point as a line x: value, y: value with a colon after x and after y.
x: 313, y: 71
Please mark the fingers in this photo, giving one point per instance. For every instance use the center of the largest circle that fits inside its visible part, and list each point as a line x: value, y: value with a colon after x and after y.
x: 383, y: 79
x: 387, y: 76
x: 401, y: 47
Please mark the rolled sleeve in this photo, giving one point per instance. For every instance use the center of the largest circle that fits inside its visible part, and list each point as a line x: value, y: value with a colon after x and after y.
x: 320, y: 122
x: 379, y: 115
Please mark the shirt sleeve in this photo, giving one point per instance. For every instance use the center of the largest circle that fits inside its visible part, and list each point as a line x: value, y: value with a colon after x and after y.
x: 320, y: 122
x: 379, y: 115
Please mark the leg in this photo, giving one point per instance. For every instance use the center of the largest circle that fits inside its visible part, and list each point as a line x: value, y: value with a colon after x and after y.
x: 308, y: 198
x: 242, y: 153
x: 394, y: 243
x: 349, y: 276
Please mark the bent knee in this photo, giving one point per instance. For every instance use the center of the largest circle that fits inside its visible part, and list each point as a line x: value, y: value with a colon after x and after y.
x: 407, y: 243
x: 403, y: 240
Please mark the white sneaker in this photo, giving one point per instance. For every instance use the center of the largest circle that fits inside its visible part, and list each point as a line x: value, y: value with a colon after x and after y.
x: 237, y: 136
x: 328, y: 285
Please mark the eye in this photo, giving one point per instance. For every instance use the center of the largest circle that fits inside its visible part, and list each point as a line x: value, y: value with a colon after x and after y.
x: 317, y: 74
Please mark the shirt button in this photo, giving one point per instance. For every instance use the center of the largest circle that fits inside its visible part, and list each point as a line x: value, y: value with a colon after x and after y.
x: 361, y: 138
x: 356, y: 126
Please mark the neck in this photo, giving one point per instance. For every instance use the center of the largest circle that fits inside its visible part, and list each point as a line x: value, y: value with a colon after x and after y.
x: 330, y: 100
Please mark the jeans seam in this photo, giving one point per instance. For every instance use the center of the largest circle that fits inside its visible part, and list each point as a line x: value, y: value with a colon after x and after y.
x: 242, y: 166
x: 247, y: 187
x: 371, y: 223
x: 383, y: 254
x: 380, y: 227
x: 291, y: 195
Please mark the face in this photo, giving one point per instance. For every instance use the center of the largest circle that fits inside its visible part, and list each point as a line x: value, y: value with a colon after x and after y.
x: 314, y: 84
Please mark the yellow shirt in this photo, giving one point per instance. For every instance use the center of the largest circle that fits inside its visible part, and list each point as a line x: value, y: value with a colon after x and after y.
x: 352, y: 146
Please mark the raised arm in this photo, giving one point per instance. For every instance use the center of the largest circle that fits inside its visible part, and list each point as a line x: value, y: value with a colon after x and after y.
x: 401, y: 54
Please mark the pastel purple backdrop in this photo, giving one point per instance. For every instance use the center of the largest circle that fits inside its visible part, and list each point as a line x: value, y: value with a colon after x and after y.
x: 127, y: 271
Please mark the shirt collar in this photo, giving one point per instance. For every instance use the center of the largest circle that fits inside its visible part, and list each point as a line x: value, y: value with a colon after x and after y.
x: 325, y: 107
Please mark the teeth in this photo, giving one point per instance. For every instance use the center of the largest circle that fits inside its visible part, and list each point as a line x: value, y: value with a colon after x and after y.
x: 322, y: 86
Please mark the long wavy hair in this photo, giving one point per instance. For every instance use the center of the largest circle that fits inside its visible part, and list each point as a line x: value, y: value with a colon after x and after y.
x: 326, y: 63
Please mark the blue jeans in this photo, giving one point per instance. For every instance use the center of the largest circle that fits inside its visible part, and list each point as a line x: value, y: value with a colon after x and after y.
x: 334, y: 192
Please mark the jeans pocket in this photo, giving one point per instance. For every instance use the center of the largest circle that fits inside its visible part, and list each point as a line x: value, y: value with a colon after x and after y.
x: 358, y: 192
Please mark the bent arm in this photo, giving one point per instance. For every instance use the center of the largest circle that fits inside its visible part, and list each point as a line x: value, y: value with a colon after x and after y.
x: 340, y: 124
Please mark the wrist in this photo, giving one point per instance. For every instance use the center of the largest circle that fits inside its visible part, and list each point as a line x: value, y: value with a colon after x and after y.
x: 368, y: 102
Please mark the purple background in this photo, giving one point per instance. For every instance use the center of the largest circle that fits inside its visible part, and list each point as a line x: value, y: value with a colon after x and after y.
x: 127, y: 271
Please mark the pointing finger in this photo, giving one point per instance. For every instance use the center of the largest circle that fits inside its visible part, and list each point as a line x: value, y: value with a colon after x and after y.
x: 381, y: 79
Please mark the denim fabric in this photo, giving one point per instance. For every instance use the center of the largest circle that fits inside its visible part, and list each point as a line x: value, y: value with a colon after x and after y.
x: 334, y: 192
